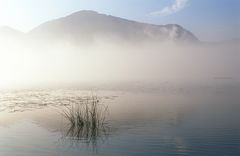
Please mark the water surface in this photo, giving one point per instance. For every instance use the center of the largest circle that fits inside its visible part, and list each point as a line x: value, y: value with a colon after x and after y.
x: 180, y: 121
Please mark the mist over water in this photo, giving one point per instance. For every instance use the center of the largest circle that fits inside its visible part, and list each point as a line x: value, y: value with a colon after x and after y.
x: 163, y: 98
x: 26, y: 63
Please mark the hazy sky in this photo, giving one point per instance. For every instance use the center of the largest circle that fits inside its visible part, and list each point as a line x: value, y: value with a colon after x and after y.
x: 208, y: 19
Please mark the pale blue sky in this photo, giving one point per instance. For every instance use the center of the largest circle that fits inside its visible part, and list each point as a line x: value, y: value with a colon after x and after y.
x: 208, y: 19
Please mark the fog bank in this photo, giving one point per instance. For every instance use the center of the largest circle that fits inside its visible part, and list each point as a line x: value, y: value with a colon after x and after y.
x: 105, y: 62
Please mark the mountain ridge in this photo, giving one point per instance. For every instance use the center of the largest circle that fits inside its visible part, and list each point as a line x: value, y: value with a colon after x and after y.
x: 6, y: 30
x: 86, y: 24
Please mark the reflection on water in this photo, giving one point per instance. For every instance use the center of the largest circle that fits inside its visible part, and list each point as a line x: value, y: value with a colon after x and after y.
x: 138, y: 123
x: 87, y: 121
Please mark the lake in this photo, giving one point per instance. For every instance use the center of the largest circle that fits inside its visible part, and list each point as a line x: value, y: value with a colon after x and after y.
x: 139, y: 122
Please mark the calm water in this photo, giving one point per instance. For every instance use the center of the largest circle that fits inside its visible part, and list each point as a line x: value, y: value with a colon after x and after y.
x: 147, y: 122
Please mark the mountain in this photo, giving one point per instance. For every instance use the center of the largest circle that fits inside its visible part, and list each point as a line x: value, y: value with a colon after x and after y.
x: 9, y: 32
x: 86, y: 26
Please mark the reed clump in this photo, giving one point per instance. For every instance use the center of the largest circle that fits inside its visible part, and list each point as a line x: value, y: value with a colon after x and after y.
x: 87, y: 119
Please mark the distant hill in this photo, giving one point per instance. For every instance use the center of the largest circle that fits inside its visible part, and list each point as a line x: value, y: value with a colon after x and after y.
x: 8, y: 32
x: 85, y: 26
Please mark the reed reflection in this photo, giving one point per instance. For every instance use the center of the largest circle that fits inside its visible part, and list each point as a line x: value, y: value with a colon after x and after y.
x: 87, y: 121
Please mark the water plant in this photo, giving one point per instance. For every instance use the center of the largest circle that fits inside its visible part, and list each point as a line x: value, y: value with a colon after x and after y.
x: 86, y: 119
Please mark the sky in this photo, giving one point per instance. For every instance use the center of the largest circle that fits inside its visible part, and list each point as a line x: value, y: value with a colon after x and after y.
x: 209, y: 20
